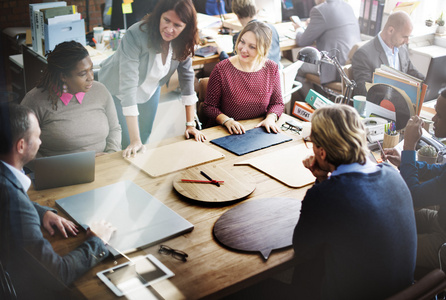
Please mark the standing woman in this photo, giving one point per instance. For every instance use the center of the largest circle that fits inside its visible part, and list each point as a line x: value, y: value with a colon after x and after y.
x: 75, y: 112
x: 148, y: 55
x: 247, y: 85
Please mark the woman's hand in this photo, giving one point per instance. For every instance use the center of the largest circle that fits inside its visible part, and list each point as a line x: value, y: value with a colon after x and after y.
x: 311, y: 164
x: 270, y: 124
x: 234, y: 127
x: 192, y: 131
x: 133, y: 148
x: 393, y: 156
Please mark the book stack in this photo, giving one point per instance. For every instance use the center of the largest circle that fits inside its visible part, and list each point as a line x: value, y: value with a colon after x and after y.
x: 53, y: 23
x: 412, y: 87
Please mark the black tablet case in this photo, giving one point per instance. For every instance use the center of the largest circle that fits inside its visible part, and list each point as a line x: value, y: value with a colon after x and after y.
x: 253, y: 140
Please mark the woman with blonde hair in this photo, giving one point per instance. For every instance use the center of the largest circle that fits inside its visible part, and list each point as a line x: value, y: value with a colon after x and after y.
x: 246, y: 12
x: 246, y: 85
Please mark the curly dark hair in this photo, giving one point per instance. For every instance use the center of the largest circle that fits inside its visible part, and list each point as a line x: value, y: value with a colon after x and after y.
x: 62, y: 60
x: 183, y: 46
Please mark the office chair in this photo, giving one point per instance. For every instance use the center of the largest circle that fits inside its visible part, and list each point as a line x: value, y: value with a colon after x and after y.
x: 7, y: 291
x: 426, y: 288
x: 201, y: 91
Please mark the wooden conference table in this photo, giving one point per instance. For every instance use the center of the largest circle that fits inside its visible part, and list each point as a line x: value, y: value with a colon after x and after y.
x: 212, y: 270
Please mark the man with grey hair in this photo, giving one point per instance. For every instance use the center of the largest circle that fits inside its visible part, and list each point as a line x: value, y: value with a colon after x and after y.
x: 387, y: 48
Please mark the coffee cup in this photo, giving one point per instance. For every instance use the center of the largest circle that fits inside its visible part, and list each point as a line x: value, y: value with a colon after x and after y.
x: 359, y: 103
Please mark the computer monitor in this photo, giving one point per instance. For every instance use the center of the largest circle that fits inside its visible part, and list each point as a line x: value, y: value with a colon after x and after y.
x: 269, y: 10
x: 436, y: 77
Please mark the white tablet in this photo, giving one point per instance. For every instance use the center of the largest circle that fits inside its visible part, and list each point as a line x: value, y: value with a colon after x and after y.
x: 127, y: 277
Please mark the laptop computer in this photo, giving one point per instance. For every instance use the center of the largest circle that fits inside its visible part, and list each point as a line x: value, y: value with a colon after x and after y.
x: 62, y: 170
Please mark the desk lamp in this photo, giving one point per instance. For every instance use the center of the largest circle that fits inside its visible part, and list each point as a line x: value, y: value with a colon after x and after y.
x: 313, y: 56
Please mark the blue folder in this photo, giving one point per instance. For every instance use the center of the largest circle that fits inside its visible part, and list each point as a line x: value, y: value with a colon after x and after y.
x: 253, y: 140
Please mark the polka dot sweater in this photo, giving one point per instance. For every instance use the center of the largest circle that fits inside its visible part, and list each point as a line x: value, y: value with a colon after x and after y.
x: 243, y: 95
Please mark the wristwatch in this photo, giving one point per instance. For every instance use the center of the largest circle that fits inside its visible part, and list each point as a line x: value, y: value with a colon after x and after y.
x: 190, y: 124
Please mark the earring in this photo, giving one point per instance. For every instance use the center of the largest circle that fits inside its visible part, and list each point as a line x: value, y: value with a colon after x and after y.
x: 64, y: 88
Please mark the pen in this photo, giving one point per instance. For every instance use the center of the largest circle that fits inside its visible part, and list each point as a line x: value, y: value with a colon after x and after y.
x: 209, y: 178
x: 202, y: 181
x: 94, y: 40
x: 382, y: 151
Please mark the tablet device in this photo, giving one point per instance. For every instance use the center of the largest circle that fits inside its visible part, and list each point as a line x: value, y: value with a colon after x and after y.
x: 141, y: 219
x: 138, y: 273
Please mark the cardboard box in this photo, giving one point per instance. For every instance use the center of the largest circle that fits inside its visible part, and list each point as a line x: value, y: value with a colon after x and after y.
x: 302, y: 111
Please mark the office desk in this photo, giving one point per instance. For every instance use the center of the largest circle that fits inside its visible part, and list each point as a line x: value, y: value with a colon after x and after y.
x: 212, y: 270
x: 285, y: 45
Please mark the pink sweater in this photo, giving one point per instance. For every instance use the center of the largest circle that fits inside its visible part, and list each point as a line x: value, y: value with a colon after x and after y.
x: 243, y: 95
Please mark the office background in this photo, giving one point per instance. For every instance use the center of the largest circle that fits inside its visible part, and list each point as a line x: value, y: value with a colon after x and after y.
x: 15, y: 13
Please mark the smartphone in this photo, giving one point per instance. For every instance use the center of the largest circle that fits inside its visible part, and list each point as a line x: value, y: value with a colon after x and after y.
x: 296, y: 20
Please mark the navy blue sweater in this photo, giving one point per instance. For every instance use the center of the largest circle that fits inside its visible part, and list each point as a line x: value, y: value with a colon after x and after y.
x: 365, y: 226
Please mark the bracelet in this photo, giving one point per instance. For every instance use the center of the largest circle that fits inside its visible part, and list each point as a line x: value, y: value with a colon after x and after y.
x: 227, y: 120
x: 190, y: 124
x: 275, y: 116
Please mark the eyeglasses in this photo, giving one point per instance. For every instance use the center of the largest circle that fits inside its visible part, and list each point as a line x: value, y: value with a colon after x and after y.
x: 291, y: 128
x: 177, y: 254
x: 307, y: 141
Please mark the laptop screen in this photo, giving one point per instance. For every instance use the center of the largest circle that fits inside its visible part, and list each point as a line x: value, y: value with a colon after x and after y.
x: 63, y: 170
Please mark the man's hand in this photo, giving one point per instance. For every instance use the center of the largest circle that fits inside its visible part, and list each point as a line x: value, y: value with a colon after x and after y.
x: 51, y: 220
x: 412, y: 133
x: 311, y: 164
x: 101, y: 229
x: 393, y: 156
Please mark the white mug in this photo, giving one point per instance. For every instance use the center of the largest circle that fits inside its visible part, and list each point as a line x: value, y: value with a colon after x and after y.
x: 359, y: 103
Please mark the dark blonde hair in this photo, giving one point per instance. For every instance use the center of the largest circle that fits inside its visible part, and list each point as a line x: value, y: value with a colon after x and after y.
x: 62, y: 60
x: 263, y: 38
x: 244, y: 8
x: 183, y: 46
x: 339, y: 130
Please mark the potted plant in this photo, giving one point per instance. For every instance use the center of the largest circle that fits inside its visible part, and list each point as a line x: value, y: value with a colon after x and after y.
x: 428, y: 154
x: 440, y: 23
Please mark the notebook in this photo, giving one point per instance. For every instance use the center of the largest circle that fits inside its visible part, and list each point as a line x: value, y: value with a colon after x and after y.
x: 62, y: 170
x: 141, y: 219
x: 252, y: 140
